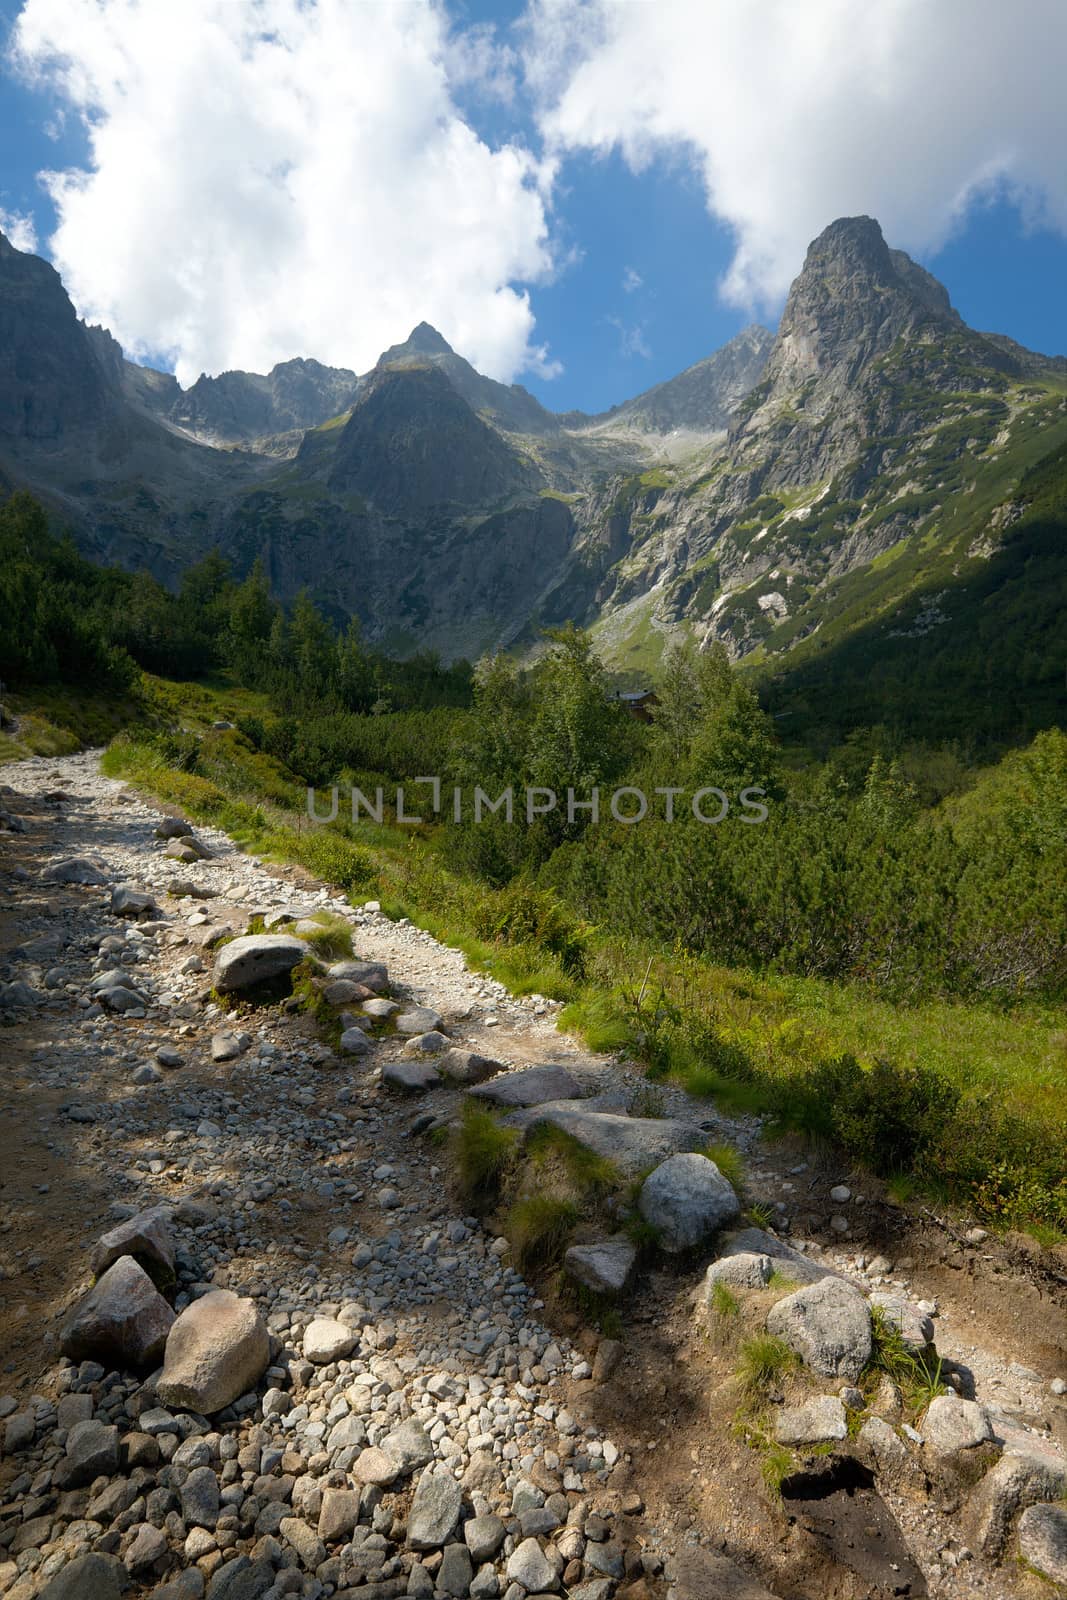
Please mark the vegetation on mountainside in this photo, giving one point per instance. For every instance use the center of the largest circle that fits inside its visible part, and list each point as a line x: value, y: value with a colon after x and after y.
x: 882, y: 962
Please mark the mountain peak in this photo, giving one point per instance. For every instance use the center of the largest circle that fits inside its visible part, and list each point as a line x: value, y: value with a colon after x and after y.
x: 423, y: 340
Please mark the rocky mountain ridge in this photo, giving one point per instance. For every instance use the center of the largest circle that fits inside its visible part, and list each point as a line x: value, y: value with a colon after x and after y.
x: 782, y: 488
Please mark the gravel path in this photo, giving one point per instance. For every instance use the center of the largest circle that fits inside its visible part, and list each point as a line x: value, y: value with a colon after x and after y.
x: 296, y: 1179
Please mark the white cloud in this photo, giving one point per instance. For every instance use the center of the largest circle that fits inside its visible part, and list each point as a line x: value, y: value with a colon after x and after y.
x: 795, y: 112
x: 270, y: 178
x: 632, y: 341
x: 19, y: 227
x: 631, y: 280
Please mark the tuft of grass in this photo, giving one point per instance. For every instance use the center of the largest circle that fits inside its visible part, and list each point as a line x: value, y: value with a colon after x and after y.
x: 763, y: 1363
x: 776, y: 1463
x: 723, y: 1300
x: 760, y: 1215
x: 779, y: 1280
x: 332, y: 940
x: 484, y: 1152
x: 918, y: 1382
x: 729, y: 1161
x: 643, y: 1235
x: 539, y: 1226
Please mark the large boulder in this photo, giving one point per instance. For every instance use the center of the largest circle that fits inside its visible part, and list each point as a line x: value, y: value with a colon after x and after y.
x: 792, y: 1264
x: 371, y: 974
x: 686, y: 1199
x: 828, y: 1324
x: 1021, y: 1478
x: 411, y: 1075
x: 419, y: 1019
x: 747, y: 1270
x: 217, y: 1350
x: 466, y: 1066
x: 1043, y: 1540
x: 173, y: 828
x: 952, y: 1425
x: 256, y: 958
x: 817, y: 1421
x: 632, y: 1144
x: 604, y: 1267
x: 530, y: 1086
x: 129, y: 902
x: 146, y: 1237
x: 122, y: 1322
x: 75, y: 869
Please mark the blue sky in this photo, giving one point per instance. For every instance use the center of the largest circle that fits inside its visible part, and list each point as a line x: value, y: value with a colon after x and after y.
x: 640, y: 243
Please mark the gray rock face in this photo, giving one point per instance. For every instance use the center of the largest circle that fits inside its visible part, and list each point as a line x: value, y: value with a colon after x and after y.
x: 914, y: 1326
x: 339, y: 1514
x: 1018, y: 1480
x: 686, y: 1199
x: 484, y: 1536
x: 1043, y: 1540
x: 530, y: 1086
x: 371, y: 974
x: 410, y: 1445
x: 951, y: 1425
x: 216, y: 1351
x: 92, y: 1577
x: 792, y: 1264
x: 354, y: 1042
x: 529, y: 1566
x: 122, y: 1322
x: 227, y: 1046
x: 19, y: 996
x: 92, y: 1452
x: 134, y: 903
x: 200, y: 1498
x: 241, y: 1579
x: 828, y: 1325
x: 411, y: 1075
x: 326, y: 1340
x: 743, y: 1271
x: 419, y: 1019
x: 256, y: 958
x: 883, y: 1449
x: 815, y: 1422
x: 173, y: 828
x: 466, y: 1067
x: 146, y: 1237
x: 633, y: 1144
x: 75, y: 869
x: 605, y: 1267
x: 434, y: 1509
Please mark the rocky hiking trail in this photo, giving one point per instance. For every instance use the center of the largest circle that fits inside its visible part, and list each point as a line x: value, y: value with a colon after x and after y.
x: 346, y: 1386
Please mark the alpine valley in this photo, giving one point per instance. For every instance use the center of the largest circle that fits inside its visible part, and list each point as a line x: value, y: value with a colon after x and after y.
x: 874, y: 495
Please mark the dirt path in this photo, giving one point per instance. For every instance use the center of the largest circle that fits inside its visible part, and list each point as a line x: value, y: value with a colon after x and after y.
x: 296, y: 1179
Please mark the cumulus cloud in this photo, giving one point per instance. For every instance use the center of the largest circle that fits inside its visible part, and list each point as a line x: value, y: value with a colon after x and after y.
x: 270, y: 178
x: 19, y: 227
x: 796, y: 113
